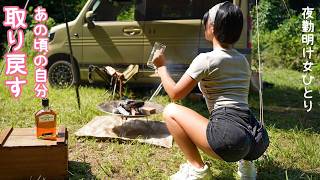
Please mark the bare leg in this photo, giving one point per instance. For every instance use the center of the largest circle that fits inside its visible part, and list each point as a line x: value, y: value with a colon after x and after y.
x: 188, y: 129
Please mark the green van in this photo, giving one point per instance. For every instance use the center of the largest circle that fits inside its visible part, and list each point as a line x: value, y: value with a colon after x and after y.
x: 118, y: 33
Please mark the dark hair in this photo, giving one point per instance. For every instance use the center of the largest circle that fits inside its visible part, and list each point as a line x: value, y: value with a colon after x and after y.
x: 228, y: 23
x: 205, y: 19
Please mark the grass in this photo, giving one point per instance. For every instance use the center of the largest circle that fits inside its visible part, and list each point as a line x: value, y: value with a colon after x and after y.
x: 294, y: 151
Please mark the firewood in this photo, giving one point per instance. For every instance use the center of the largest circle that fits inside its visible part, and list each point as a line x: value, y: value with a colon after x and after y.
x: 133, y: 112
x: 147, y: 110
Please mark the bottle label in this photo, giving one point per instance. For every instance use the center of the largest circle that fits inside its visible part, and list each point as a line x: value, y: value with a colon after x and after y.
x: 46, y: 118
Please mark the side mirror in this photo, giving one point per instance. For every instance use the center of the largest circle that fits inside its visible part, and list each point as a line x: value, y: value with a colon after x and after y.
x: 89, y: 19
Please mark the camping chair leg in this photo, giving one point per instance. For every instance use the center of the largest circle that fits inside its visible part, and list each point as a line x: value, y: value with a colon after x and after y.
x: 109, y: 86
x: 114, y: 89
x: 120, y: 88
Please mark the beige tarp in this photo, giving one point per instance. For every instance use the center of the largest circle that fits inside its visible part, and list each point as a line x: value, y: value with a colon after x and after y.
x: 152, y: 132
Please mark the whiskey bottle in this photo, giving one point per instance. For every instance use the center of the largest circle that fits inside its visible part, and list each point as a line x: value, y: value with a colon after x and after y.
x: 46, y: 122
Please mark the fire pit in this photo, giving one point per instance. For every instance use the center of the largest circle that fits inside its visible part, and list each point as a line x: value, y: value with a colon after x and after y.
x: 142, y: 108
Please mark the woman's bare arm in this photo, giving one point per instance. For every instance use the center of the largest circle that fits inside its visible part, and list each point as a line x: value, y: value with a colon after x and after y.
x: 176, y: 91
x: 179, y: 90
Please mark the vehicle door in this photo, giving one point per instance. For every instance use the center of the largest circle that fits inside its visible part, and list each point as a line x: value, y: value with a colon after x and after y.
x: 116, y: 38
x: 175, y: 24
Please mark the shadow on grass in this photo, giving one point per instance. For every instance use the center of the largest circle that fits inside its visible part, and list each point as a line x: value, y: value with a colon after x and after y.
x: 142, y: 129
x: 118, y: 141
x: 284, y: 109
x: 80, y: 170
x: 270, y: 169
x: 267, y: 168
x: 226, y: 173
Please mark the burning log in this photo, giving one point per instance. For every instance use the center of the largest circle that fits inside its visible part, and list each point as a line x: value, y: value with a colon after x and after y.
x: 133, y: 107
x: 122, y: 111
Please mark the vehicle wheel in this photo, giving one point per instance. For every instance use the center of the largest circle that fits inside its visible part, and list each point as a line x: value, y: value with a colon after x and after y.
x: 60, y: 74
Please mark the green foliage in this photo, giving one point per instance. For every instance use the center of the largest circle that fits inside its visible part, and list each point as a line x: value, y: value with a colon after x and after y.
x: 126, y: 13
x: 280, y: 37
x: 53, y: 8
x: 269, y: 14
x: 79, y: 5
x: 28, y: 41
x: 50, y: 22
x: 298, y: 5
x: 316, y: 70
x: 28, y: 44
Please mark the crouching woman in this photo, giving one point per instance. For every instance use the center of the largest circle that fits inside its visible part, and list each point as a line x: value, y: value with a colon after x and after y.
x: 231, y: 133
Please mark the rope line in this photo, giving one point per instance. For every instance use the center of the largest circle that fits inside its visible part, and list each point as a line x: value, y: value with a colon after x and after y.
x: 259, y: 69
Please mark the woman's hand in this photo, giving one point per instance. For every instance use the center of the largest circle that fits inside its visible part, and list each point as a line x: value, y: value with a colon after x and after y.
x: 159, y: 59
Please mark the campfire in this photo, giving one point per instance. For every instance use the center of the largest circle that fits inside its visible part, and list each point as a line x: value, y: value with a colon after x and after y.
x: 130, y: 108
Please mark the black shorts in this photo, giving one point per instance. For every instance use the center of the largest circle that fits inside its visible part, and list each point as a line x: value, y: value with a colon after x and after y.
x: 228, y: 133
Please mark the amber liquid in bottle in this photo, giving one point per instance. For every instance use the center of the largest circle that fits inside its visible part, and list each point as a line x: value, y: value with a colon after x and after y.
x: 46, y: 122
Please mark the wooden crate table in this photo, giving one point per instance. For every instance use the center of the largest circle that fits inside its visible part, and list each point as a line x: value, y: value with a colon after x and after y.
x: 23, y: 156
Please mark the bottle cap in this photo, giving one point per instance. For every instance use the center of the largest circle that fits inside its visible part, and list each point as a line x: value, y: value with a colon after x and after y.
x: 45, y: 102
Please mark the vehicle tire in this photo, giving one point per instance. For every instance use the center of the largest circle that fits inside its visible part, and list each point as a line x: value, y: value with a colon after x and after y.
x: 60, y: 74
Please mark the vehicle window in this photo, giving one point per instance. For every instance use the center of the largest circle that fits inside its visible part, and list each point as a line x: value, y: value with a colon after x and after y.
x: 117, y: 10
x: 178, y: 9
